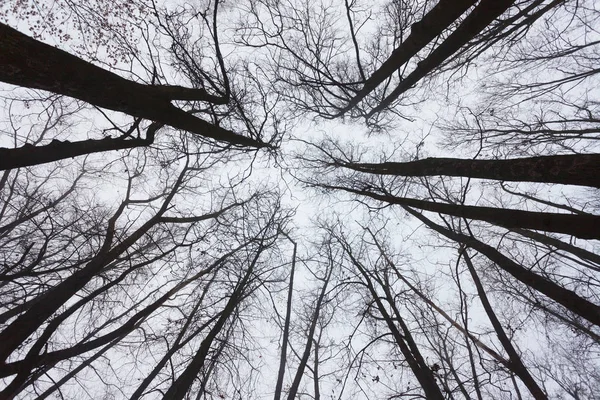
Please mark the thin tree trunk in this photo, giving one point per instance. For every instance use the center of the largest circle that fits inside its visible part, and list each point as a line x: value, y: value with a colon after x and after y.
x: 452, y: 322
x: 559, y: 244
x: 316, y: 371
x: 311, y: 333
x: 182, y: 384
x: 412, y: 356
x: 286, y: 327
x: 24, y: 325
x: 87, y: 362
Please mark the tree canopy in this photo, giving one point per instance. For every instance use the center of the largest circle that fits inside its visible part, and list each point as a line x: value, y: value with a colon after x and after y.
x: 302, y: 200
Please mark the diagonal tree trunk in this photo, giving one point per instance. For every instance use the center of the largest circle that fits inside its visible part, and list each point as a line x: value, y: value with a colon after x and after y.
x: 403, y: 339
x: 441, y: 16
x: 30, y: 63
x: 570, y: 300
x: 484, y: 14
x: 309, y: 340
x: 582, y: 226
x: 516, y: 364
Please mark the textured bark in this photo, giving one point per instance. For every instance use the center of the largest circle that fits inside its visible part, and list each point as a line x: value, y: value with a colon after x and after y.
x: 483, y: 15
x: 573, y: 169
x: 582, y: 226
x: 28, y: 155
x: 570, y: 300
x: 30, y: 63
x: 441, y: 16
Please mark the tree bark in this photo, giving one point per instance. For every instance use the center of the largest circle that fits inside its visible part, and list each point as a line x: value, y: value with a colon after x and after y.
x: 581, y: 226
x: 573, y: 169
x: 30, y: 63
x: 568, y: 299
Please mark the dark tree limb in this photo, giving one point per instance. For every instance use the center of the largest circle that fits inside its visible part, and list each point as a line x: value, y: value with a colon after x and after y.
x: 516, y: 364
x: 30, y: 63
x: 405, y: 343
x: 559, y: 244
x: 573, y: 169
x: 433, y: 24
x: 582, y: 226
x: 567, y: 298
x: 295, y: 386
x: 28, y: 155
x: 286, y: 326
x: 483, y: 15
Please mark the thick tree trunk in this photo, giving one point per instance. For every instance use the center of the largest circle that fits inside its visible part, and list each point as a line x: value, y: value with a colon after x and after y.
x: 581, y: 226
x: 441, y: 16
x: 480, y: 18
x: 30, y: 63
x: 573, y: 169
x: 567, y: 298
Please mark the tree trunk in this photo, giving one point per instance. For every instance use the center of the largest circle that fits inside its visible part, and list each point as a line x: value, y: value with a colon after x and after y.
x: 483, y: 15
x: 570, y: 300
x: 28, y: 154
x: 516, y: 364
x: 30, y: 63
x: 441, y: 16
x: 581, y: 226
x: 573, y: 169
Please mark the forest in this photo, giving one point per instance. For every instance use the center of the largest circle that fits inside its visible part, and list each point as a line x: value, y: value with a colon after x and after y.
x: 300, y: 199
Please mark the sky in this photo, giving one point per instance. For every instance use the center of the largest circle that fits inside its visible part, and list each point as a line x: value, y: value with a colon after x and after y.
x: 418, y: 132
